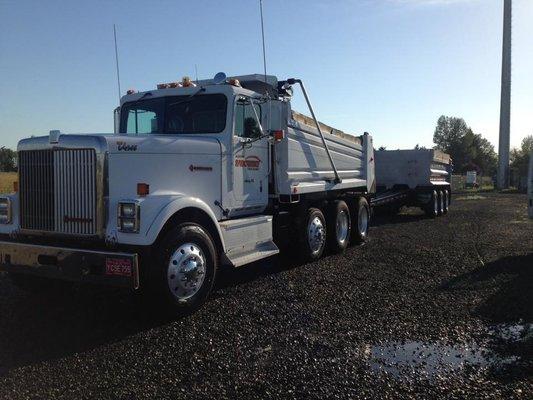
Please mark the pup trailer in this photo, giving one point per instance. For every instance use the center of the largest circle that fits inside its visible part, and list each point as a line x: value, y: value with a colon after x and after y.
x: 197, y: 175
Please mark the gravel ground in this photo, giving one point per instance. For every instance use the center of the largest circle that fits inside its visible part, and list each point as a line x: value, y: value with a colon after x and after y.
x: 427, y: 308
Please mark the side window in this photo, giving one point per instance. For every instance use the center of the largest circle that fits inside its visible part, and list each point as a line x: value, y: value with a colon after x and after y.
x: 141, y: 121
x: 245, y: 119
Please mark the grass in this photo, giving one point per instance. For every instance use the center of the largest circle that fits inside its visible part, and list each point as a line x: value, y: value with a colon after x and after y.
x: 6, y: 181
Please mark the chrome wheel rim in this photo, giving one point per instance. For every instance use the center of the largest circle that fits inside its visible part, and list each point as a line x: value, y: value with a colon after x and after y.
x: 362, y: 222
x: 186, y: 271
x: 316, y: 234
x: 342, y: 227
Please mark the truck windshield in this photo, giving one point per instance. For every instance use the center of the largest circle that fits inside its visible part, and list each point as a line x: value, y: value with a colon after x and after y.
x: 175, y: 115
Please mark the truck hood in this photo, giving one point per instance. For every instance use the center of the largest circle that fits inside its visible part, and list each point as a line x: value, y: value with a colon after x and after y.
x: 122, y: 144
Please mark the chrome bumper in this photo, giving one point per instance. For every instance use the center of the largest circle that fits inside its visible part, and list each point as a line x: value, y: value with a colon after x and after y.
x: 111, y: 268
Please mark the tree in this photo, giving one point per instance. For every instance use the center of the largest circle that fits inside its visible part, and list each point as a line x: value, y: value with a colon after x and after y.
x: 520, y: 157
x: 7, y: 160
x: 467, y: 149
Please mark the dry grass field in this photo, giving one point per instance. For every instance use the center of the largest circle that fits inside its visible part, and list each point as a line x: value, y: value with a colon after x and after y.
x: 6, y: 181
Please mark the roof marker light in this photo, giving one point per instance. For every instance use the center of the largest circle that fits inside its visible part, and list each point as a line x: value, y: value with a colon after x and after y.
x: 131, y: 91
x: 186, y: 82
x: 234, y: 82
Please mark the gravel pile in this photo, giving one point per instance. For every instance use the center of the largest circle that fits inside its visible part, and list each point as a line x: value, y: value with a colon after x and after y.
x: 427, y: 308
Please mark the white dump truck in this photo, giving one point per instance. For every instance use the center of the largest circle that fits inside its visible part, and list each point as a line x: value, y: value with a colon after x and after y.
x: 414, y: 178
x: 196, y: 175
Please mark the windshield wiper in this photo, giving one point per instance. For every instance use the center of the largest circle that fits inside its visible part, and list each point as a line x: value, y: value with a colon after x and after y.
x: 202, y: 89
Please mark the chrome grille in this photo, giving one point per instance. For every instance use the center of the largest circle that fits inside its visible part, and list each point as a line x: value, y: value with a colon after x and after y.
x: 58, y: 190
x: 36, y: 169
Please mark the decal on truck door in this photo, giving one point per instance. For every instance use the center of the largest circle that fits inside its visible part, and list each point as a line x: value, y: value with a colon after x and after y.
x: 250, y: 162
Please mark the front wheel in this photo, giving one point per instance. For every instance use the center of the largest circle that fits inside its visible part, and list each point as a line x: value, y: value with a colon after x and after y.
x: 186, y: 268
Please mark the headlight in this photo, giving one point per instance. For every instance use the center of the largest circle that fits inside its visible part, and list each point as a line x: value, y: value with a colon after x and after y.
x: 5, y: 210
x: 129, y: 215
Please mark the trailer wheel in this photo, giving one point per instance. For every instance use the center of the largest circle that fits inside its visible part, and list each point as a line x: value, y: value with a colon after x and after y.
x: 186, y: 268
x: 339, y: 226
x: 360, y: 228
x: 312, y: 236
x: 445, y: 201
x: 432, y: 207
x: 440, y: 195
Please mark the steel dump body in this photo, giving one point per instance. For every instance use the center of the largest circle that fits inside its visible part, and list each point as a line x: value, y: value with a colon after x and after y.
x: 412, y: 168
x: 303, y: 166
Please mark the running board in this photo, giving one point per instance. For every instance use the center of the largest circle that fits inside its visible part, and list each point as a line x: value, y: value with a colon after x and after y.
x: 248, y: 239
x: 261, y: 251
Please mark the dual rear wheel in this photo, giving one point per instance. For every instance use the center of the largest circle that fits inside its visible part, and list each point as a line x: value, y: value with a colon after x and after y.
x: 438, y: 204
x: 335, y: 230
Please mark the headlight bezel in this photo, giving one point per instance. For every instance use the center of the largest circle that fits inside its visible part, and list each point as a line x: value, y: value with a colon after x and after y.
x: 132, y: 217
x: 6, y: 211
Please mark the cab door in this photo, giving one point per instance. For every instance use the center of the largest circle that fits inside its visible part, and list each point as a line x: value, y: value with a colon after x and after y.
x: 250, y: 158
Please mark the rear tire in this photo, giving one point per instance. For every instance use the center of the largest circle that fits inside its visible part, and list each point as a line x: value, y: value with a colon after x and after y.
x: 445, y: 201
x: 312, y: 235
x: 432, y: 207
x: 186, y: 269
x: 440, y: 194
x: 339, y: 226
x: 362, y: 221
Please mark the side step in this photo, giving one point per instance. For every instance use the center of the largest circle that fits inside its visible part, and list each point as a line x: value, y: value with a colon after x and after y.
x: 248, y: 239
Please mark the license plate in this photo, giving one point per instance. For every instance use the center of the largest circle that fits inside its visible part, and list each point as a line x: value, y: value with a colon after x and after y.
x: 118, y: 266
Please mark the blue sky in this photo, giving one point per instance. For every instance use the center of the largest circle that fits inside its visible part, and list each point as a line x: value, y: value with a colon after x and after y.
x: 390, y: 67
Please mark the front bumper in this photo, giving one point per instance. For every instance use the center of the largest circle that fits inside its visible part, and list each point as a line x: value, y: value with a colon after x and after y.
x: 101, y: 267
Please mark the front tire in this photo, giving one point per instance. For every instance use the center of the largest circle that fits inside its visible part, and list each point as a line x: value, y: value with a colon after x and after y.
x: 187, y: 268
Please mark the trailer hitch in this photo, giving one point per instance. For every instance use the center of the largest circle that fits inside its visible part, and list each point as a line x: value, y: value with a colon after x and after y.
x: 292, y: 81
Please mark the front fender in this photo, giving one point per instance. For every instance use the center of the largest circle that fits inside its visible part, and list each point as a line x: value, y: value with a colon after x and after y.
x: 157, y: 210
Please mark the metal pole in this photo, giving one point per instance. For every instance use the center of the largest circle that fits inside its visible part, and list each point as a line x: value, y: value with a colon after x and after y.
x: 505, y: 102
x: 263, y: 36
x: 292, y: 81
x: 116, y: 59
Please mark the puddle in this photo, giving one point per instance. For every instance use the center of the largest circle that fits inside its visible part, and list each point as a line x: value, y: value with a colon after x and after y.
x: 512, y: 332
x: 430, y: 360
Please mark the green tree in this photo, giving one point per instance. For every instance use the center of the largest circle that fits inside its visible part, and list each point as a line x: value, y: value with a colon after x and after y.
x: 520, y: 157
x: 467, y: 149
x: 7, y: 160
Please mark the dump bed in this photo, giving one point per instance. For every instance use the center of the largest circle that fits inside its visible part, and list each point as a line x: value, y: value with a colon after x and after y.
x: 412, y: 168
x: 303, y: 166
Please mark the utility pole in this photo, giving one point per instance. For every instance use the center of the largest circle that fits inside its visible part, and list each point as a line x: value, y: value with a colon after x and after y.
x: 505, y: 102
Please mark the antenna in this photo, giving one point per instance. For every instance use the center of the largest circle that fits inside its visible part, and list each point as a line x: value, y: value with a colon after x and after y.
x: 116, y: 59
x: 263, y: 36
x: 196, y: 72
